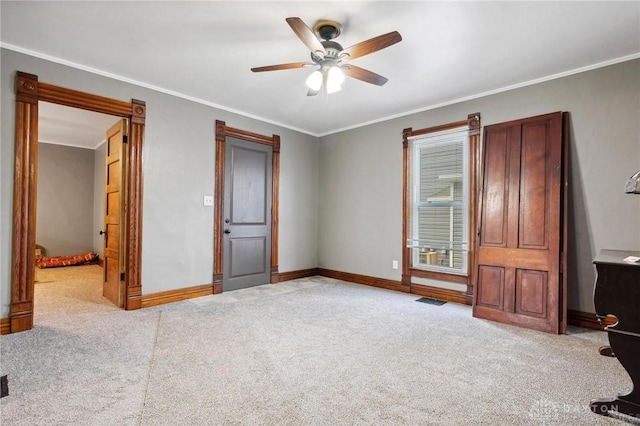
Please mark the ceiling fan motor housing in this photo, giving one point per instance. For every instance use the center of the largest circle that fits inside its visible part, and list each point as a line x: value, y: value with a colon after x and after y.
x: 333, y: 51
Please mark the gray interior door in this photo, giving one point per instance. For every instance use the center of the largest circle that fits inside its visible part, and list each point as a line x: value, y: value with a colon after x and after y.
x: 247, y: 214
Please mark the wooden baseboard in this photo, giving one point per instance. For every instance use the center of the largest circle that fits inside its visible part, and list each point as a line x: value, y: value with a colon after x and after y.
x: 5, y: 326
x: 576, y: 318
x: 586, y: 320
x: 421, y: 290
x: 101, y: 262
x: 438, y: 293
x: 362, y: 279
x: 294, y: 275
x: 177, y: 295
x: 170, y: 296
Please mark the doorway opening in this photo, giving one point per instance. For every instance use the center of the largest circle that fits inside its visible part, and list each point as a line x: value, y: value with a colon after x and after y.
x: 69, y: 257
x: 29, y: 92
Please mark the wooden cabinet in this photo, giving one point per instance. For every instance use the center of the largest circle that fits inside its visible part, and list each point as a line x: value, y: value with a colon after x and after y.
x: 617, y: 293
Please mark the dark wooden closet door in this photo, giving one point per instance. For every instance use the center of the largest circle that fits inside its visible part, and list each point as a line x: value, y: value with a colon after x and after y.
x: 519, y: 249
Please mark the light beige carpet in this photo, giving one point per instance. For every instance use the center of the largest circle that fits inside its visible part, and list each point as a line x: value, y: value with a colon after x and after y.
x: 307, y: 352
x: 68, y: 291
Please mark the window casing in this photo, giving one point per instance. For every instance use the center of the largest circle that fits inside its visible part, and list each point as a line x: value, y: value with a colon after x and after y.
x: 440, y: 198
x: 440, y: 208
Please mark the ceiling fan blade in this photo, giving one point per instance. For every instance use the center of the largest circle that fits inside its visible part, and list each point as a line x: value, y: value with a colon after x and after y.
x: 282, y: 66
x: 364, y: 75
x: 307, y: 36
x: 372, y: 45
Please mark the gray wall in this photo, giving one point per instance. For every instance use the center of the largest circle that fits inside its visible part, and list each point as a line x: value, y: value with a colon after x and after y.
x: 348, y: 185
x: 178, y: 167
x: 360, y: 205
x: 64, y: 218
x: 99, y: 160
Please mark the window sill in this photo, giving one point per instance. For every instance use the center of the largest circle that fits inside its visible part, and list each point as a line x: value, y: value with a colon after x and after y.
x: 441, y: 276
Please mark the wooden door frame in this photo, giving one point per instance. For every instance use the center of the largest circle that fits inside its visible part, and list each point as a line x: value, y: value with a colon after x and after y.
x: 222, y: 132
x: 29, y: 91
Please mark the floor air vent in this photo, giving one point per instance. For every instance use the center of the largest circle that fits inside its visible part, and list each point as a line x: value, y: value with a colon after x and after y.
x: 431, y: 301
x: 4, y: 386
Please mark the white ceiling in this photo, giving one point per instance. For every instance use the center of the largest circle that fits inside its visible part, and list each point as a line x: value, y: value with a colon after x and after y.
x: 204, y: 50
x: 62, y: 125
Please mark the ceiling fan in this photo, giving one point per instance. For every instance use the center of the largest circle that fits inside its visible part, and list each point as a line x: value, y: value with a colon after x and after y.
x: 331, y: 57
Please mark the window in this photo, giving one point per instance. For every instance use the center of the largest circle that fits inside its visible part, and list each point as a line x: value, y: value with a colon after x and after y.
x: 439, y: 201
x: 440, y: 228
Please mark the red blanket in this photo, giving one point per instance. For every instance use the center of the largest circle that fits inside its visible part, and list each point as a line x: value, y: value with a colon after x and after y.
x: 53, y: 262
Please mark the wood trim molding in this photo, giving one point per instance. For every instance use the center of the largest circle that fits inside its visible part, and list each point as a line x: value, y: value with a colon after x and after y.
x: 438, y: 293
x: 275, y: 211
x: 24, y: 202
x: 473, y: 121
x: 419, y: 289
x: 473, y: 124
x: 5, y: 326
x: 222, y: 132
x: 28, y: 92
x: 587, y: 320
x: 76, y: 99
x: 406, y: 210
x: 445, y: 294
x: 438, y: 128
x: 363, y: 279
x: 219, y: 207
x: 469, y: 300
x: 250, y: 136
x: 421, y: 273
x: 133, y: 249
x: 170, y: 296
x: 294, y: 275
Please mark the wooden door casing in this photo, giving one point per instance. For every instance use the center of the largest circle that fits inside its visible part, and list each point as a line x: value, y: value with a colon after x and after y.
x: 222, y: 133
x: 29, y: 91
x: 520, y: 242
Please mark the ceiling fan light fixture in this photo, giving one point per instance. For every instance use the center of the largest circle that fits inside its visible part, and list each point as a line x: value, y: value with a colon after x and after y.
x: 335, y: 78
x: 336, y: 75
x: 314, y: 81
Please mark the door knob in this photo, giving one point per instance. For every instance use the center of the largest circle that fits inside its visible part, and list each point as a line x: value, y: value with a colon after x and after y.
x: 227, y: 231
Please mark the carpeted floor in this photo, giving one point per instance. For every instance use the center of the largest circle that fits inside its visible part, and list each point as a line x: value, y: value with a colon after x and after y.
x: 313, y: 351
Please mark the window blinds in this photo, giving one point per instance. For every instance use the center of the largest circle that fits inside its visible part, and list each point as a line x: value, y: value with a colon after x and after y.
x: 441, y: 199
